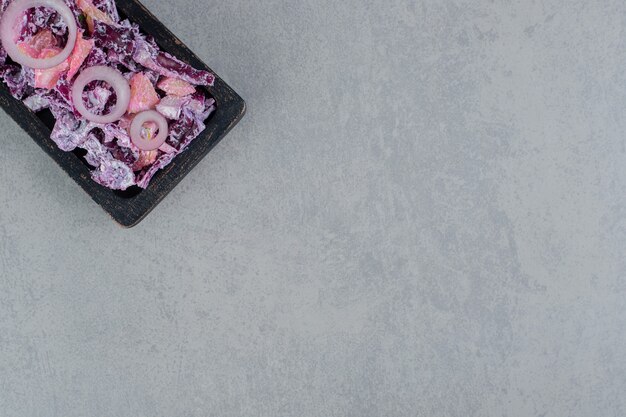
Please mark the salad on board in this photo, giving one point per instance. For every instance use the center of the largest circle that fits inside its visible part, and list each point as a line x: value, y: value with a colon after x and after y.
x: 128, y: 106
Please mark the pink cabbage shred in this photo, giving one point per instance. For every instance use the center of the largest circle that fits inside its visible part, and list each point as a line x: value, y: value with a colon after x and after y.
x: 159, y: 81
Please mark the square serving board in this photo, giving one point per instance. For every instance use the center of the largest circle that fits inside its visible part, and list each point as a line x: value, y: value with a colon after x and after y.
x: 130, y: 207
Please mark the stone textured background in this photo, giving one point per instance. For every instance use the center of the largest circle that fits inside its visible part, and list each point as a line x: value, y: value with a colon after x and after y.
x: 422, y: 214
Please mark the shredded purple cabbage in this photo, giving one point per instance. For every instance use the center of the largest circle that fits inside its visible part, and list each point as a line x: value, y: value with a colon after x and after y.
x: 116, y: 162
x: 148, y: 55
x: 107, y: 6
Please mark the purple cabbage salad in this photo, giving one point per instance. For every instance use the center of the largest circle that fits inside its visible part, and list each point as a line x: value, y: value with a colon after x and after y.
x: 158, y: 81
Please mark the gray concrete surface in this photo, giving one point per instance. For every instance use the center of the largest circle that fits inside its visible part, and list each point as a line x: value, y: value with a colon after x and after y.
x: 423, y: 214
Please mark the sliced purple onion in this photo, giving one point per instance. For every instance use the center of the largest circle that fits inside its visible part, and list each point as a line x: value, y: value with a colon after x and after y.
x: 8, y: 36
x: 115, y: 79
x: 137, y: 125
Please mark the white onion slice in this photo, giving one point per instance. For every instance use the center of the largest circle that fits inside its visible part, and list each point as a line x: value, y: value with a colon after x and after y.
x: 137, y: 125
x: 115, y: 79
x: 8, y: 35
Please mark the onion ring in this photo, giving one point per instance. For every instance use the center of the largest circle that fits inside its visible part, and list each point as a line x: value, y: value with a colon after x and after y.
x: 7, y: 32
x: 115, y: 79
x: 137, y: 125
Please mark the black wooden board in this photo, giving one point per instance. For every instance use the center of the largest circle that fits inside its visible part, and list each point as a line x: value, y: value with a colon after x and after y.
x: 129, y: 208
